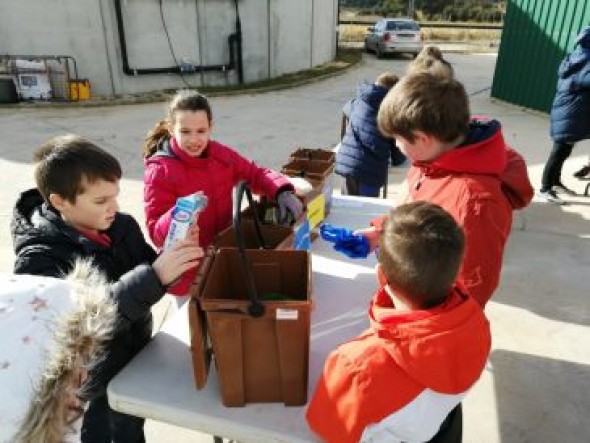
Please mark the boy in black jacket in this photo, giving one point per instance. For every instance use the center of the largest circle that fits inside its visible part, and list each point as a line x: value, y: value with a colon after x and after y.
x: 73, y: 213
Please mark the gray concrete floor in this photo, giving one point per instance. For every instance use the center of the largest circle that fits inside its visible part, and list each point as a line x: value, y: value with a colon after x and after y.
x: 535, y: 388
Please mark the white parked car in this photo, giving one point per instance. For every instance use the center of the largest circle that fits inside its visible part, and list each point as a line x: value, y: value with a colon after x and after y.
x: 394, y: 35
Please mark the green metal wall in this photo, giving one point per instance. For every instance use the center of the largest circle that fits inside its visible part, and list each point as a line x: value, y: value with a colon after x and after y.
x: 536, y: 36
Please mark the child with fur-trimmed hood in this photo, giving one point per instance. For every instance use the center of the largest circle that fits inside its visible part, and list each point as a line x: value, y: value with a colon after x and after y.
x: 52, y: 333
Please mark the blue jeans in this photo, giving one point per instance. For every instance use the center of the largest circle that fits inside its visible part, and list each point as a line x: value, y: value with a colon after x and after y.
x: 351, y: 186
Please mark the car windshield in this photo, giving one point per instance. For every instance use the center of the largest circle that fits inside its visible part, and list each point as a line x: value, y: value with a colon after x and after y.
x: 402, y: 26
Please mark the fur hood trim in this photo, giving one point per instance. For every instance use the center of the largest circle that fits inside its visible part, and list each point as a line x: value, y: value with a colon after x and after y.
x: 63, y: 327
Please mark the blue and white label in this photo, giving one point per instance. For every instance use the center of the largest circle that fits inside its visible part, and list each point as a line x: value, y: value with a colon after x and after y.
x: 184, y: 214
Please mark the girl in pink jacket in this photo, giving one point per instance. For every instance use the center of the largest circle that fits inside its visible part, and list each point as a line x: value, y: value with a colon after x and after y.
x: 181, y: 159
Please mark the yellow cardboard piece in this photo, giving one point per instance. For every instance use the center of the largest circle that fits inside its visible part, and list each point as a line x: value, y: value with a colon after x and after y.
x: 316, y: 210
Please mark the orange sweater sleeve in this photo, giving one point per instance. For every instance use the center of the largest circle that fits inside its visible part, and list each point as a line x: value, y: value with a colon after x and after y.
x: 335, y: 411
x: 360, y: 385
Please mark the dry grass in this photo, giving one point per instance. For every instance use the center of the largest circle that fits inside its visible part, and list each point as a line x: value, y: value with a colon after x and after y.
x: 460, y: 34
x: 356, y: 33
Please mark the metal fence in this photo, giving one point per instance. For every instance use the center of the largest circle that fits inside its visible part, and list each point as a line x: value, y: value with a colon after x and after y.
x: 42, y: 77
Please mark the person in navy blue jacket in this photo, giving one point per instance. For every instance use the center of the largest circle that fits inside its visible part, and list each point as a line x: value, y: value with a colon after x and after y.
x: 363, y: 157
x: 570, y: 121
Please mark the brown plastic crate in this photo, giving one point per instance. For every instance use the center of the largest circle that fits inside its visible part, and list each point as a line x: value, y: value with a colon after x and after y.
x: 316, y: 170
x: 262, y: 359
x: 321, y: 155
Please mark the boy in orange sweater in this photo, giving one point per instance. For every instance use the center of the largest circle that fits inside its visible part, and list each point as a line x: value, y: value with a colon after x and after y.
x: 404, y: 378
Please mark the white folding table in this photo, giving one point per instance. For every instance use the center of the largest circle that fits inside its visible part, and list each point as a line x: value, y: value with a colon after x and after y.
x: 158, y: 383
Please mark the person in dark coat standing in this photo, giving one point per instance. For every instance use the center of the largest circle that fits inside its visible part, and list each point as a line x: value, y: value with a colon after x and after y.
x: 570, y: 116
x: 73, y: 214
x: 363, y: 157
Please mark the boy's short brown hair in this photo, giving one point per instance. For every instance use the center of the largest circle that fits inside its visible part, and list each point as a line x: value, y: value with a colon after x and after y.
x: 425, y: 102
x: 68, y: 162
x: 387, y: 80
x: 420, y: 252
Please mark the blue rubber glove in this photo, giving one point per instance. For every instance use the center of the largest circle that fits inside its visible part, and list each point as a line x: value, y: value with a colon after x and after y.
x: 349, y: 244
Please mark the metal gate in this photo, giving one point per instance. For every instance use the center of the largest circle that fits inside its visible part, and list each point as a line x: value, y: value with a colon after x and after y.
x: 536, y: 36
x: 42, y: 77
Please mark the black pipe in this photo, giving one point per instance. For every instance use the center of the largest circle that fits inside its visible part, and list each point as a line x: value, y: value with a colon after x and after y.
x: 239, y: 44
x: 175, y: 69
x: 338, y: 30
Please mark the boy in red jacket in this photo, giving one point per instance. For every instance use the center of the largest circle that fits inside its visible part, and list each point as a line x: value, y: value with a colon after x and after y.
x: 460, y: 163
x: 404, y: 378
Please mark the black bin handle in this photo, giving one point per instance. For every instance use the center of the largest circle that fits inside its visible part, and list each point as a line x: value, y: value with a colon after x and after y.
x: 255, y: 309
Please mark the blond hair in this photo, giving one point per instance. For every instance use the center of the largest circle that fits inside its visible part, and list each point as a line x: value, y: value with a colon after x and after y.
x: 430, y: 51
x: 387, y: 79
x: 431, y: 59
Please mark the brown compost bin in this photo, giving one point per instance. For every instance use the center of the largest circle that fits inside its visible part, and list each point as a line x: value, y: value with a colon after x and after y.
x: 201, y: 351
x: 274, y: 236
x: 260, y: 341
x: 260, y: 359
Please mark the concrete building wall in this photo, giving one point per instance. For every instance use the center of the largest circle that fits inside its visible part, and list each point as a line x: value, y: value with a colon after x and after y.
x: 324, y: 30
x: 67, y: 27
x: 278, y: 37
x: 256, y: 39
x: 291, y: 37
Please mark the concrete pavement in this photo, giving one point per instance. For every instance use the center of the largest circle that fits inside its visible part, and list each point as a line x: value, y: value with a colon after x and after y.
x: 535, y: 388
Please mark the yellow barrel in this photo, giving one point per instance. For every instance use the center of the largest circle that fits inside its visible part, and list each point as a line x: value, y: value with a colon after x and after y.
x: 79, y: 89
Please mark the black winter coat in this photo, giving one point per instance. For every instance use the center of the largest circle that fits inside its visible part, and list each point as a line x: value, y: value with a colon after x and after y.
x: 45, y: 245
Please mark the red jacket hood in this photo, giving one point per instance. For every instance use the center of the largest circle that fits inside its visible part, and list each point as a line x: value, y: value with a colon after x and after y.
x: 485, y: 152
x: 482, y: 152
x: 444, y: 349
